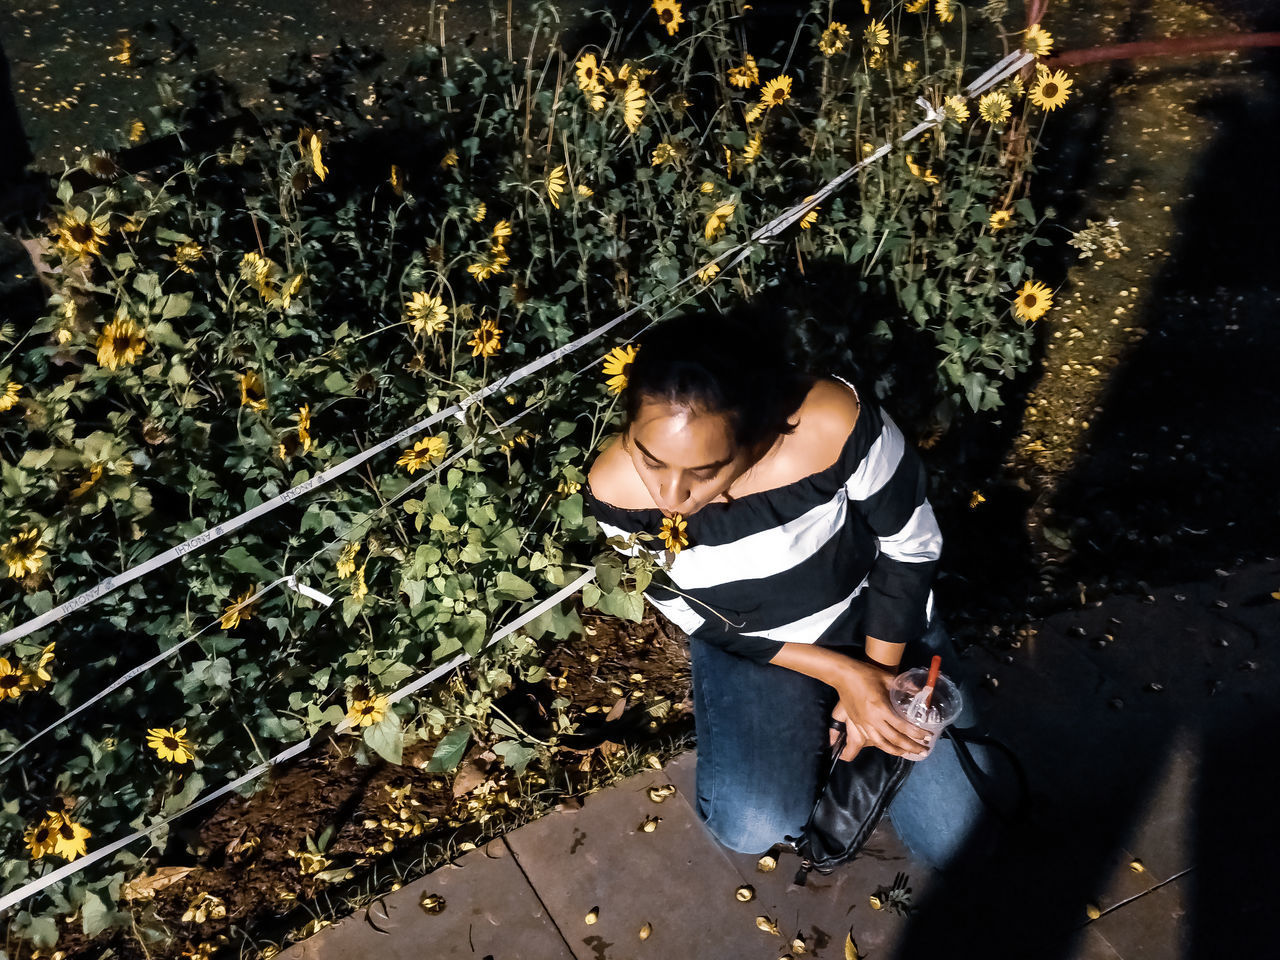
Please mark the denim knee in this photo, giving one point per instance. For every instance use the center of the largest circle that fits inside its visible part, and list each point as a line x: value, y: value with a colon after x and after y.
x: 748, y: 827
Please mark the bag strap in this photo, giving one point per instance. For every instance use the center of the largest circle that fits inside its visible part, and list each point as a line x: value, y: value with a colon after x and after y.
x: 961, y: 739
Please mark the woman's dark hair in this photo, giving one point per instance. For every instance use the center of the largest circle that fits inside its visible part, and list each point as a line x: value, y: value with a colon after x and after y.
x: 739, y: 364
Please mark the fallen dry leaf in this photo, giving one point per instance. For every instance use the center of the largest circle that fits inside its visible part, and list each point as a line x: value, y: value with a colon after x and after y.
x: 432, y: 903
x: 144, y: 888
x: 766, y: 863
x: 592, y: 916
x: 768, y: 926
x: 650, y: 824
x: 646, y: 931
x: 659, y: 794
x: 616, y: 710
x: 471, y: 773
x: 1092, y: 911
x: 798, y: 946
x: 745, y: 893
x: 1137, y: 866
x: 850, y: 948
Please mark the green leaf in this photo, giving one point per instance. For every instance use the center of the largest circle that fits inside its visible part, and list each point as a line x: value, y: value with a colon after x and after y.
x: 515, y: 755
x: 624, y: 604
x: 385, y: 738
x: 571, y: 509
x: 96, y: 914
x: 176, y: 305
x: 450, y: 750
x: 243, y: 561
x: 511, y: 587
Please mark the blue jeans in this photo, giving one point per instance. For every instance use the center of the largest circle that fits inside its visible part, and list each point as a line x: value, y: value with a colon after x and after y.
x: 763, y: 748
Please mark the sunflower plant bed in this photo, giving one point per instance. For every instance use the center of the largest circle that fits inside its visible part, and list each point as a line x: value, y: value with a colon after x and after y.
x: 224, y: 329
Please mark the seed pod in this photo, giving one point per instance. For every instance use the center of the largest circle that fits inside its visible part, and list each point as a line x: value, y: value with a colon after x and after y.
x: 745, y: 893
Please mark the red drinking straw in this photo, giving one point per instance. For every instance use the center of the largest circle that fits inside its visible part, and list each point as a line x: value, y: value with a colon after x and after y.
x: 935, y: 667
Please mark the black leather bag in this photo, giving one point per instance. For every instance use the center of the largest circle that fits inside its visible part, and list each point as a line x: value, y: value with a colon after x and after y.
x: 855, y: 796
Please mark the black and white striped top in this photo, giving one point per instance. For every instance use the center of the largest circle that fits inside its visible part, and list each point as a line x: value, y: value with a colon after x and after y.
x: 831, y: 558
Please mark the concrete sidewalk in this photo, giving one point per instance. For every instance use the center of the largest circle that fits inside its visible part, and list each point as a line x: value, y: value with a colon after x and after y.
x: 1129, y: 715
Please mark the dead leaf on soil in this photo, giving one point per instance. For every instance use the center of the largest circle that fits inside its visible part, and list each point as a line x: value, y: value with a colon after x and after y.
x: 850, y: 948
x: 144, y: 888
x: 471, y: 773
x: 616, y: 710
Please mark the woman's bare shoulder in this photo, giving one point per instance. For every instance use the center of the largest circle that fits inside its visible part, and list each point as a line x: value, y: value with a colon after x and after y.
x: 614, y: 480
x: 826, y: 419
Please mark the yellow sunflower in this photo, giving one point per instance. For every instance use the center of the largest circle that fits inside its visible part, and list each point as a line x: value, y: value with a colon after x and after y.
x: 171, y: 745
x: 999, y: 220
x: 633, y: 106
x: 11, y: 680
x: 137, y: 129
x: 347, y: 558
x: 233, y: 613
x: 420, y: 455
x: 995, y: 107
x: 360, y: 589
x: 556, y: 183
x: 753, y: 112
x: 810, y: 218
x: 777, y: 91
x: 876, y: 34
x: 709, y: 272
x: 669, y: 15
x: 426, y: 313
x: 486, y: 341
x: 945, y: 10
x: 450, y: 159
x: 68, y: 836
x: 304, y: 426
x: 78, y: 235
x: 312, y: 147
x: 752, y: 149
x: 706, y: 186
x: 396, y: 179
x: 1051, y: 90
x: 1037, y: 41
x: 501, y: 233
x: 39, y: 838
x: 9, y: 396
x: 23, y: 552
x: 41, y: 677
x: 584, y: 191
x: 834, y: 39
x: 365, y: 713
x: 745, y: 76
x: 1033, y: 301
x: 187, y: 253
x: 482, y: 211
x: 915, y: 6
x: 719, y: 218
x: 957, y: 108
x: 121, y: 343
x: 253, y: 393
x: 588, y: 70
x: 260, y: 273
x: 925, y: 175
x: 491, y: 264
x: 673, y: 534
x: 663, y: 153
x: 617, y: 364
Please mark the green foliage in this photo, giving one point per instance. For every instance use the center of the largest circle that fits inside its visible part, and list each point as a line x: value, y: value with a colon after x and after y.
x: 229, y: 329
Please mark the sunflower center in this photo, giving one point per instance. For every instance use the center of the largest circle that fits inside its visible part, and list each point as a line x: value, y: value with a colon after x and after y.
x: 1049, y: 90
x: 10, y: 681
x: 81, y: 233
x: 366, y: 709
x: 66, y: 832
x: 171, y: 744
x: 1030, y: 300
x: 121, y: 344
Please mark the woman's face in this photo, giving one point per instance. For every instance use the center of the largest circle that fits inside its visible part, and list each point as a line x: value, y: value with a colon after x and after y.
x: 685, y: 457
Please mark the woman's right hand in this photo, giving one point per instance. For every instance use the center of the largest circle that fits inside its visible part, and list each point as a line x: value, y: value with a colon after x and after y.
x: 869, y: 718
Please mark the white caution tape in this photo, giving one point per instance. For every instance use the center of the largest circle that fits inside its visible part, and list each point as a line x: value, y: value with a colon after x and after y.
x: 69, y: 869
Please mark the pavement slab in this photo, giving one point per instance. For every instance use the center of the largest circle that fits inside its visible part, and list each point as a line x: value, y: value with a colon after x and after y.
x: 1153, y: 927
x: 490, y: 911
x: 676, y: 879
